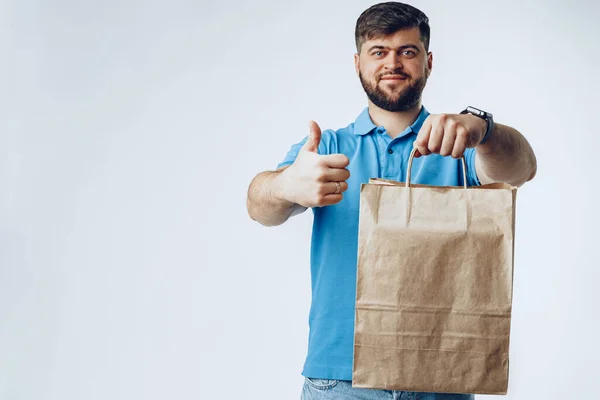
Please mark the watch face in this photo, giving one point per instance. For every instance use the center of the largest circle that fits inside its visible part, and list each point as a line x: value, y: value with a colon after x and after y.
x: 476, y: 111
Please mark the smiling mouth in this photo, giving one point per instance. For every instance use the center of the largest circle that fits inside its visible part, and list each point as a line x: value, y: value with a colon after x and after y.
x: 393, y: 78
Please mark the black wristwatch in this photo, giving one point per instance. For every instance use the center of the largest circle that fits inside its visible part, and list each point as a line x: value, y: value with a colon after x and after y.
x: 489, y: 118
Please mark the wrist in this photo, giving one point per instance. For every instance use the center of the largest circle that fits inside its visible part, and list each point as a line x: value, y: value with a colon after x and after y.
x: 485, y: 117
x: 489, y: 130
x: 279, y: 187
x: 480, y: 127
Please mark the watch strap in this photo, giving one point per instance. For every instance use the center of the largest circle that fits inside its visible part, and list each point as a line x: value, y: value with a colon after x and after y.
x: 488, y: 117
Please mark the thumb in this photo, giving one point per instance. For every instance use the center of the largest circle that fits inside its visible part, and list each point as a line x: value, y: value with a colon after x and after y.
x: 314, y: 138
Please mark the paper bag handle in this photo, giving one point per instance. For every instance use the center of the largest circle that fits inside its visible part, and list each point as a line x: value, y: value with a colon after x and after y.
x: 410, y: 161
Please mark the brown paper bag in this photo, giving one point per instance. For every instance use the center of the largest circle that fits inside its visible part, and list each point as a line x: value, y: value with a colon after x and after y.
x: 434, y: 287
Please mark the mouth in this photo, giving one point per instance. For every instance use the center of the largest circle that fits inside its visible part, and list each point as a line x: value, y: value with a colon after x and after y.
x: 393, y: 78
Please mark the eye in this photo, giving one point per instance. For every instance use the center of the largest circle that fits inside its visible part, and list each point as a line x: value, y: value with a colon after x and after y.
x: 409, y: 53
x: 378, y: 53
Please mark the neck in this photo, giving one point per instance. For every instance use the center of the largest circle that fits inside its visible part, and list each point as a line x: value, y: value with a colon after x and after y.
x: 394, y: 122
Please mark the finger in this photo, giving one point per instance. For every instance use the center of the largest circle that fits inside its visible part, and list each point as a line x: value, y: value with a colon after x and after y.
x: 336, y: 160
x: 336, y: 175
x: 314, y: 138
x: 448, y: 139
x: 460, y: 144
x: 422, y: 139
x: 331, y: 187
x: 436, y: 137
x: 331, y: 199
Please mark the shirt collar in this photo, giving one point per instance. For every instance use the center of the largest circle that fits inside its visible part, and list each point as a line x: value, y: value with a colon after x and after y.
x: 364, y: 124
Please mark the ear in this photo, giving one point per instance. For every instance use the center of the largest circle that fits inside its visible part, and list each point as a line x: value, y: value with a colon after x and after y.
x: 356, y: 63
x: 430, y: 61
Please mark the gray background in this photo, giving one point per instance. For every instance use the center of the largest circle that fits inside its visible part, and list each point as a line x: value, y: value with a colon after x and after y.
x: 130, y: 130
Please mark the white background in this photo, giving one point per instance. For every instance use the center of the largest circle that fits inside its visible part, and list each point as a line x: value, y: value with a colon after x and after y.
x: 130, y: 130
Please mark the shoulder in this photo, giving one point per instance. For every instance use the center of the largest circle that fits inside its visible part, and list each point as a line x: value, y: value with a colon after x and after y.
x: 332, y: 140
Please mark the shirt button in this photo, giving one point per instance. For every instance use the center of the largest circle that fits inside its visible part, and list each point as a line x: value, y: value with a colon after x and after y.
x: 390, y: 151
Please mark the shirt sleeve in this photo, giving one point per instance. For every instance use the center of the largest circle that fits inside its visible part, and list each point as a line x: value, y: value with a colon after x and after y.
x: 292, y: 153
x: 472, y: 179
x: 295, y: 149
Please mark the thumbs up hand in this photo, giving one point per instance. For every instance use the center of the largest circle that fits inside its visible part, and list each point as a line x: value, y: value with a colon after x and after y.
x: 316, y: 180
x: 314, y: 138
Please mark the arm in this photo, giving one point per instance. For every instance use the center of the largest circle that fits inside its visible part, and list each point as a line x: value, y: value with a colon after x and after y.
x: 266, y: 202
x: 505, y: 157
x: 313, y: 180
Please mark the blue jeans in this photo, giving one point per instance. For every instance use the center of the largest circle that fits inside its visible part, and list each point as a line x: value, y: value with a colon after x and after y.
x: 328, y: 389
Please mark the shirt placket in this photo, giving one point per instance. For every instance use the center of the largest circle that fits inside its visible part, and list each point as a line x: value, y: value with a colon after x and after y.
x: 389, y: 162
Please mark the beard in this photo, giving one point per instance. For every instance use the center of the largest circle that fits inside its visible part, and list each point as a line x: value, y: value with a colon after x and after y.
x: 408, y: 97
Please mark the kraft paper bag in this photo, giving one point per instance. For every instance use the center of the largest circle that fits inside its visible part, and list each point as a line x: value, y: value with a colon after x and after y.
x: 434, y: 287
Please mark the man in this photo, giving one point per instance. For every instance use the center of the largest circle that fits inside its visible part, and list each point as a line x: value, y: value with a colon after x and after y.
x: 326, y: 169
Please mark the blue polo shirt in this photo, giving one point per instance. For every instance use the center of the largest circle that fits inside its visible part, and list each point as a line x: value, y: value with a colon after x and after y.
x: 373, y: 154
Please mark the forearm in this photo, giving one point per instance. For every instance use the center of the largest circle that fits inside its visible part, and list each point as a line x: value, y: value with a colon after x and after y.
x: 505, y: 157
x: 266, y: 203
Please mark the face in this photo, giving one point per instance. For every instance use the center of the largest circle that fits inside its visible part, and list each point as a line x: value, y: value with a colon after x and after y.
x: 393, y: 70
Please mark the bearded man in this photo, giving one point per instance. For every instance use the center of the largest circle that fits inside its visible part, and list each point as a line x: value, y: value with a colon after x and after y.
x: 325, y: 171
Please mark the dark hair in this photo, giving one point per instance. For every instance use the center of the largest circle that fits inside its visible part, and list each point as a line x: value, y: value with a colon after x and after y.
x: 384, y: 19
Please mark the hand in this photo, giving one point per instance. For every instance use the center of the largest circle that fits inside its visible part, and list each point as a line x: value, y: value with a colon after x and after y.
x: 449, y: 134
x: 315, y: 180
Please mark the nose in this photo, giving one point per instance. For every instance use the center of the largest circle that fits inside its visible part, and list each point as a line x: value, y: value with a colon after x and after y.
x: 393, y: 61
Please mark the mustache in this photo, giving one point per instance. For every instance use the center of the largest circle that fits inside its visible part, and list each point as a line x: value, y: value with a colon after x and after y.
x: 396, y: 72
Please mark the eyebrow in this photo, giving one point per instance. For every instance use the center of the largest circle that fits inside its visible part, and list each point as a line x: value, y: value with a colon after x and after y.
x: 407, y: 46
